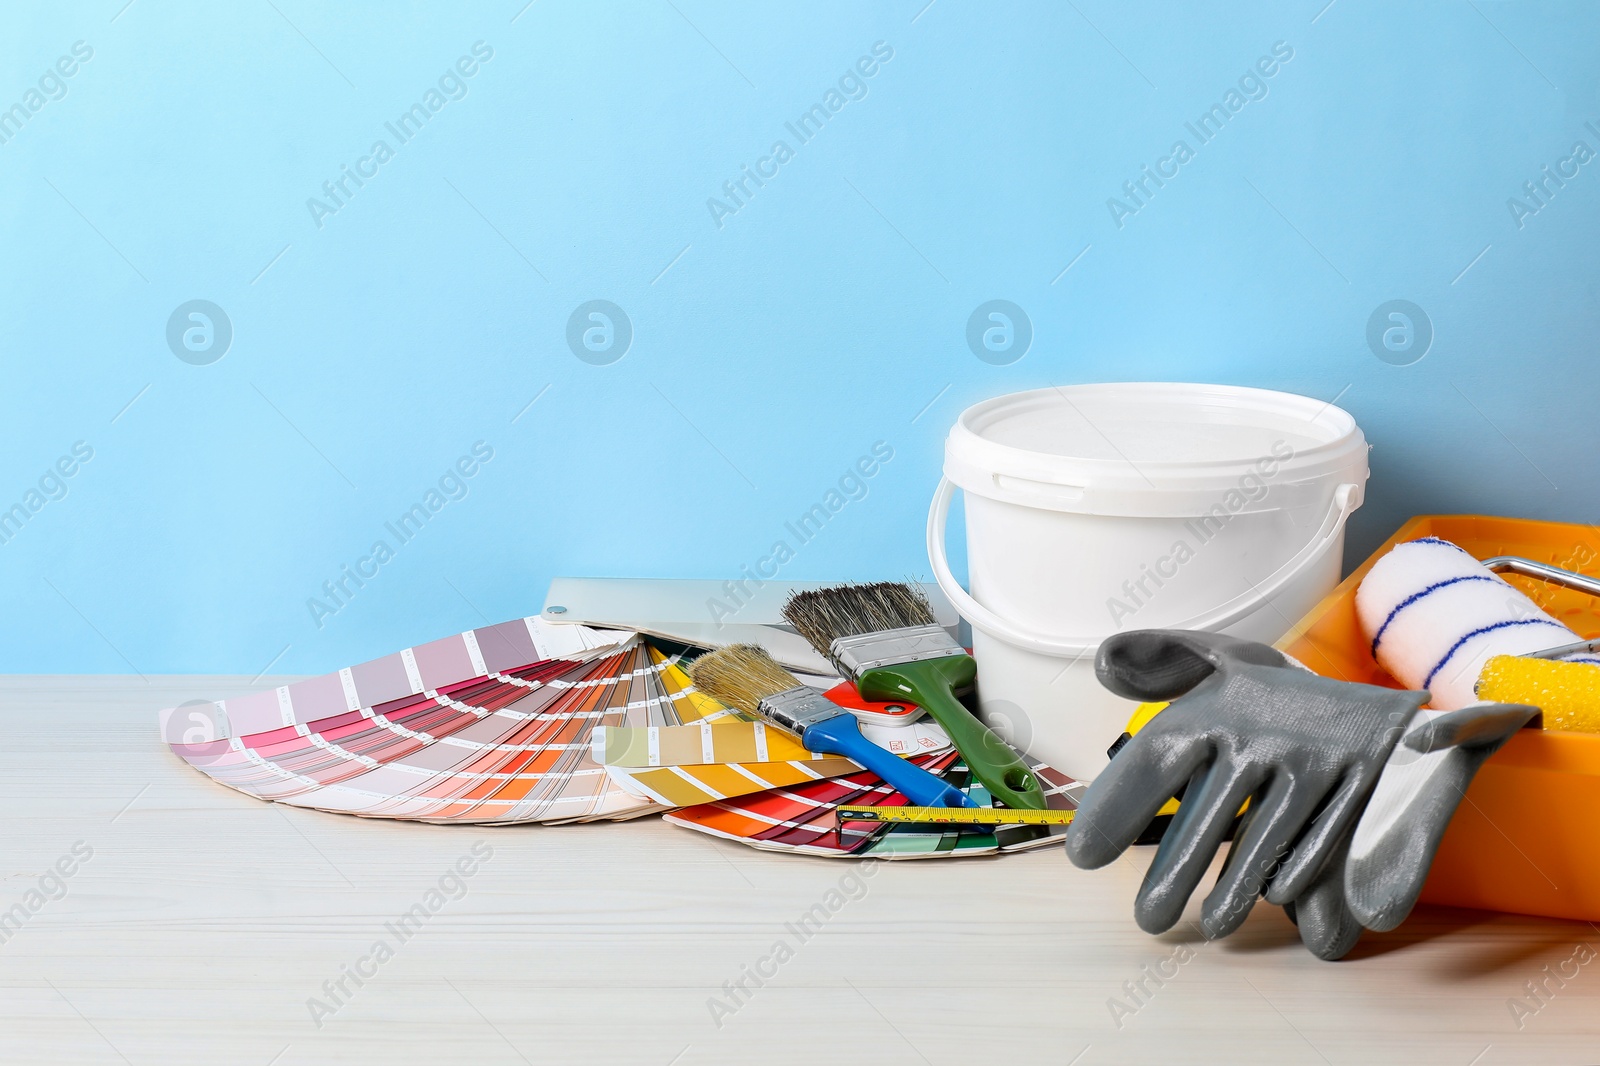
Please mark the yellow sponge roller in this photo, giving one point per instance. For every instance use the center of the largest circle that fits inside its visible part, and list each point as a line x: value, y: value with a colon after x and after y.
x: 1568, y: 693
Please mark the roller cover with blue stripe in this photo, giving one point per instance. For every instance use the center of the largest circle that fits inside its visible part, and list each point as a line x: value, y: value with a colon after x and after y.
x: 1435, y: 616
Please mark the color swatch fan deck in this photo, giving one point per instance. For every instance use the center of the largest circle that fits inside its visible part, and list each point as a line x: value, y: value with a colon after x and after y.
x: 492, y: 726
x: 530, y: 722
x: 805, y: 821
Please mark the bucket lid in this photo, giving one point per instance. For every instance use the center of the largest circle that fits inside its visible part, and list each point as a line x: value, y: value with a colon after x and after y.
x: 1155, y: 449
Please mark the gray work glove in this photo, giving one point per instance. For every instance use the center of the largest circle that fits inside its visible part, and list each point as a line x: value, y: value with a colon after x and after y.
x: 1423, y: 783
x: 1307, y: 752
x: 1374, y: 878
x: 1250, y: 725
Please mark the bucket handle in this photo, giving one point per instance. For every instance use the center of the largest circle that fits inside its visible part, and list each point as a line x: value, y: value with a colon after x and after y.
x: 1346, y: 498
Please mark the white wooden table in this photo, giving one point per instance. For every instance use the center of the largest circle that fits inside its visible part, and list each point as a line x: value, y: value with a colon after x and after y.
x: 205, y: 922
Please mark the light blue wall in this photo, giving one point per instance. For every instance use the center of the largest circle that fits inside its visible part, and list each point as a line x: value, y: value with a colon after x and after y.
x: 372, y: 350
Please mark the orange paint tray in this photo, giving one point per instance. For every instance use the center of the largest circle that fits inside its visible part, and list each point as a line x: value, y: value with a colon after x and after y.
x: 1527, y: 837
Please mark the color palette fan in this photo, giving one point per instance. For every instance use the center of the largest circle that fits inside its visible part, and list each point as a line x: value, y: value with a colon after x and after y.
x: 685, y: 765
x: 489, y: 726
x: 804, y: 820
x: 515, y: 723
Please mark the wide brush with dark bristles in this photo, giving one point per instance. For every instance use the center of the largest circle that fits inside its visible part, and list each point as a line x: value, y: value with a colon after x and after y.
x: 885, y: 637
x: 746, y: 677
x: 822, y: 616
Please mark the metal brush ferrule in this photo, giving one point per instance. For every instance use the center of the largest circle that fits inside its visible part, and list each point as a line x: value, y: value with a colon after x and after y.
x: 867, y: 651
x: 798, y: 709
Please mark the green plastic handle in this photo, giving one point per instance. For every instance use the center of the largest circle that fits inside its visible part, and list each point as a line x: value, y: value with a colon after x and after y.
x: 932, y: 684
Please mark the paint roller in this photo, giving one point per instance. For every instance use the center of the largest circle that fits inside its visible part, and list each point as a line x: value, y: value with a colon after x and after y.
x: 1441, y: 620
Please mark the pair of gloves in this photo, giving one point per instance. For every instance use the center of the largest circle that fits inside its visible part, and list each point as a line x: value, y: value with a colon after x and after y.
x: 1350, y: 786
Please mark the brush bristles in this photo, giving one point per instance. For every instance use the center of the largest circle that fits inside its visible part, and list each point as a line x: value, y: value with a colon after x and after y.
x: 740, y: 676
x: 822, y: 616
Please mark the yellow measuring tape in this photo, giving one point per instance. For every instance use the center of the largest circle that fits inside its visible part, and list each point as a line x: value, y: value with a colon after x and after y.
x: 958, y: 815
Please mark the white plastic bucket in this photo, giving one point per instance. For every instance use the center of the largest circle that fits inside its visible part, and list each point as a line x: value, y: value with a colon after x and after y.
x: 1094, y: 509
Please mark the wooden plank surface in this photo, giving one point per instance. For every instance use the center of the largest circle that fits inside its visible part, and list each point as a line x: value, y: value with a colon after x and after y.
x: 204, y: 925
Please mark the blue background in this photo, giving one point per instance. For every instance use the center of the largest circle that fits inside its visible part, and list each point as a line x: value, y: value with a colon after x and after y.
x: 829, y: 312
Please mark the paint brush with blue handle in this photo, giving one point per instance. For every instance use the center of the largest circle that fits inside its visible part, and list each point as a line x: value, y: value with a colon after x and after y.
x: 745, y: 677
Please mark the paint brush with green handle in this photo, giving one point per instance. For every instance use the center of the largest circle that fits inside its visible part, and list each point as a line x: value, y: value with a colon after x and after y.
x: 885, y: 638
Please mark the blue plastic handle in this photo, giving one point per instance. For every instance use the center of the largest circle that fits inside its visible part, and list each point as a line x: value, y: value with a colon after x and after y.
x: 841, y: 735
